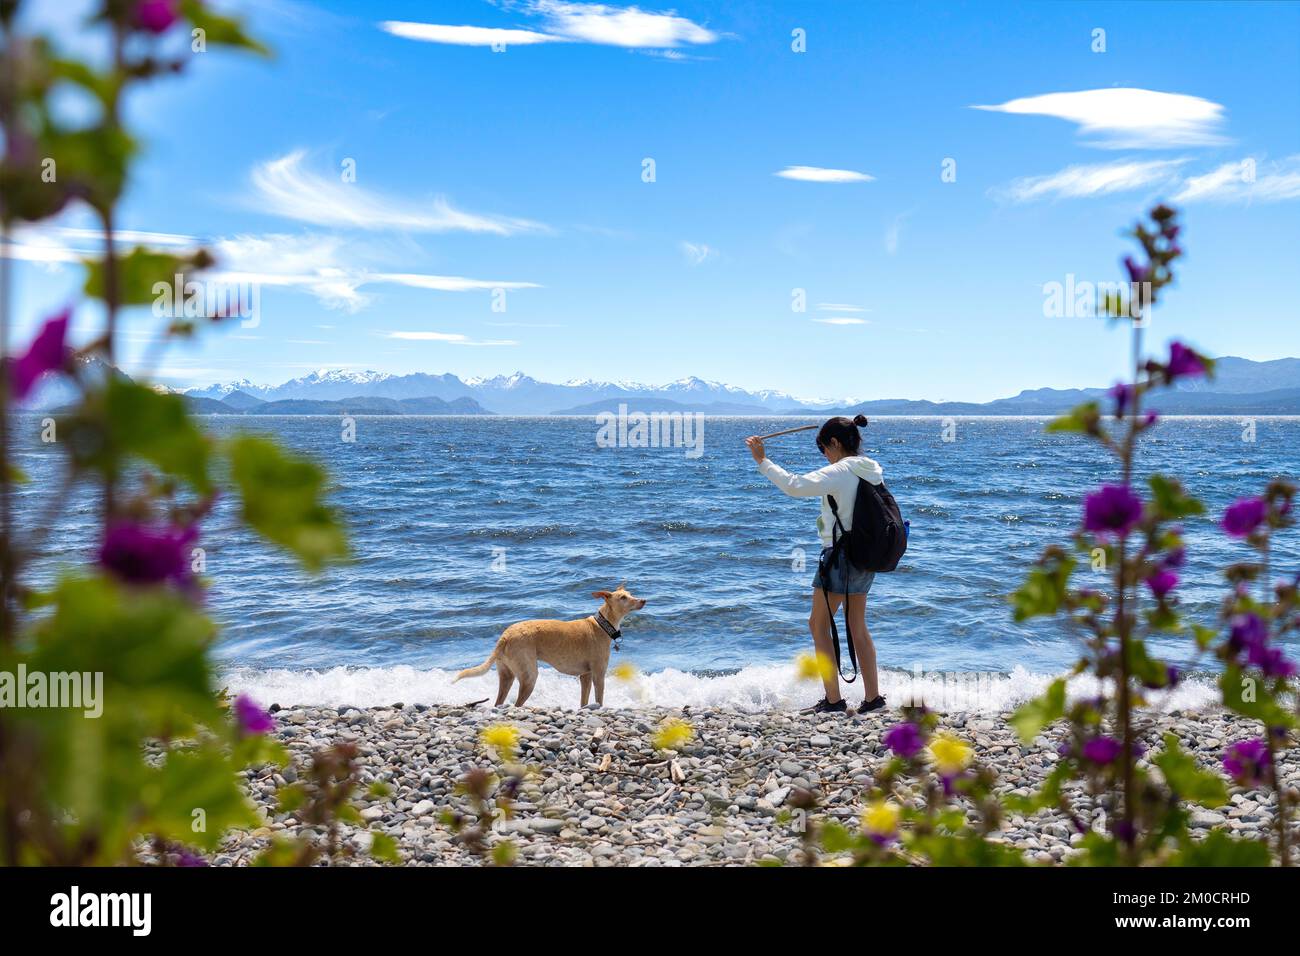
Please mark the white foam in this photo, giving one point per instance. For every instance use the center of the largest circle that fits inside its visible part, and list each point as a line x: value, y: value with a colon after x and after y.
x: 756, y: 688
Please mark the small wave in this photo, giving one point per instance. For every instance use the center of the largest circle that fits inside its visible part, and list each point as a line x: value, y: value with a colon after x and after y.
x: 750, y: 689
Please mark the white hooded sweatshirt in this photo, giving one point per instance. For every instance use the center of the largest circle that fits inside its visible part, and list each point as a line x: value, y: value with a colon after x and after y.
x: 839, y: 479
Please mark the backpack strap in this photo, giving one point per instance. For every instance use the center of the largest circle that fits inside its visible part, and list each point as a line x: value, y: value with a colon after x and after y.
x: 837, y: 558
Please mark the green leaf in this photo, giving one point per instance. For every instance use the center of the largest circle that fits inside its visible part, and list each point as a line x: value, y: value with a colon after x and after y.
x: 144, y: 275
x: 281, y: 499
x: 156, y: 426
x: 219, y: 30
x: 193, y: 797
x: 835, y: 838
x: 384, y: 848
x: 1251, y: 696
x: 1172, y: 503
x: 1098, y: 850
x: 1186, y: 779
x: 1085, y: 418
x: 1045, y: 587
x: 291, y: 797
x: 1219, y: 849
x: 503, y: 854
x: 1031, y: 717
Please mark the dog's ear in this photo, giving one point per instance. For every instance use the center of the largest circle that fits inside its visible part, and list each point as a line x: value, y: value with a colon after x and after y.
x: 600, y: 594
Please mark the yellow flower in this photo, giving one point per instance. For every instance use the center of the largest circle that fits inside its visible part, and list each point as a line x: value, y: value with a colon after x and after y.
x: 881, y: 818
x: 503, y: 738
x: 814, y: 666
x: 950, y: 755
x: 673, y: 734
x: 624, y: 672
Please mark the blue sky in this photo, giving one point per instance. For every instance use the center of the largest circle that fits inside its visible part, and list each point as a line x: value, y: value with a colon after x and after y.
x: 523, y: 169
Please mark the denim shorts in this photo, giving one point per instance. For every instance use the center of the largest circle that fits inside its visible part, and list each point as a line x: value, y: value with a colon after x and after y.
x: 859, y: 582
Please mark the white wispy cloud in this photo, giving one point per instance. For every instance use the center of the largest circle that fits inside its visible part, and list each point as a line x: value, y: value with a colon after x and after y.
x: 322, y: 265
x: 843, y: 320
x: 839, y: 307
x: 564, y: 22
x: 819, y: 174
x: 448, y: 338
x: 1246, y: 180
x: 1074, y: 182
x: 465, y: 36
x: 1128, y: 117
x: 620, y: 26
x: 287, y: 188
x: 697, y: 253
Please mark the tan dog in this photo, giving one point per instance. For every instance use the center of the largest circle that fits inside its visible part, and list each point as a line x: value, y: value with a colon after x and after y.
x: 579, y: 648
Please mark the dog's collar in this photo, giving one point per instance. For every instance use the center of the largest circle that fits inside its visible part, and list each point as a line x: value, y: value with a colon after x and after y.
x: 613, y: 632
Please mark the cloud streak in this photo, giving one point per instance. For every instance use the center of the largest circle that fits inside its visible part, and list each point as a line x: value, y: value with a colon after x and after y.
x: 819, y: 174
x: 1127, y: 117
x: 564, y: 22
x: 1076, y: 182
x: 1244, y: 181
x: 285, y: 187
x: 447, y: 338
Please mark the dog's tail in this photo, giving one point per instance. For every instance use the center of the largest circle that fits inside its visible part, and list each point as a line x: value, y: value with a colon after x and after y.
x: 476, y: 671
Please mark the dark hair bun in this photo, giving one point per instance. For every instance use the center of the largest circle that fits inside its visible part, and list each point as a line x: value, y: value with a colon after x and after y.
x: 859, y: 420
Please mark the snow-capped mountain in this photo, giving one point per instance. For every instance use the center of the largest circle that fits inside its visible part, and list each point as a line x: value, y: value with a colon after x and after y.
x: 516, y: 394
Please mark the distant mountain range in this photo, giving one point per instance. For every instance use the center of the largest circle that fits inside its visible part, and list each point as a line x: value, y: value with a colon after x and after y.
x: 517, y: 394
x: 1241, y: 387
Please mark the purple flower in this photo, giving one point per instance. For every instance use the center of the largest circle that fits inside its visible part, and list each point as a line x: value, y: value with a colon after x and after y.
x: 252, y: 719
x: 1151, y: 418
x: 905, y: 740
x: 1183, y: 362
x: 1173, y: 675
x: 1170, y: 231
x: 1247, y: 630
x: 1136, y: 273
x: 48, y: 353
x: 1102, y: 750
x: 156, y: 16
x: 140, y: 554
x: 1270, y: 660
x: 1247, y: 762
x: 1175, y: 558
x: 1244, y: 516
x: 190, y: 858
x: 1162, y: 582
x: 1112, y: 509
x: 1123, y: 395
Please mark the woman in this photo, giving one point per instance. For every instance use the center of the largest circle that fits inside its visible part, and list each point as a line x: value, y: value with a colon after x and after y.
x: 839, y: 440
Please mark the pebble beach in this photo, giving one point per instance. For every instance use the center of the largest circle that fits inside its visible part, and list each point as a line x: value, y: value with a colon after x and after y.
x: 599, y: 793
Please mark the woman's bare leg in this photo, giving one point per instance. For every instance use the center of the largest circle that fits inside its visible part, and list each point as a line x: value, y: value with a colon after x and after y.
x: 862, y: 643
x: 819, y: 625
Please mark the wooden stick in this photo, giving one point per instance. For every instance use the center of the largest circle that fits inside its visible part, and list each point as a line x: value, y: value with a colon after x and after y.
x: 801, y: 428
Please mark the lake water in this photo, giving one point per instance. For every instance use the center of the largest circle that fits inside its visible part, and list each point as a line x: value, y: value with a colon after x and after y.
x: 461, y: 526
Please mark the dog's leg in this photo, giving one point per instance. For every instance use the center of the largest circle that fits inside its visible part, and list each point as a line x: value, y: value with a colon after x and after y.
x: 526, y: 682
x: 586, y: 688
x: 598, y: 678
x: 505, y: 677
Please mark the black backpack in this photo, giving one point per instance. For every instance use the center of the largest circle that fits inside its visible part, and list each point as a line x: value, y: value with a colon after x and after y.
x: 878, y: 537
x: 876, y: 542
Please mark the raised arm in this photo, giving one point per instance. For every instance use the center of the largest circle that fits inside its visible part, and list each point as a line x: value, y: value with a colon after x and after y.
x: 811, y: 485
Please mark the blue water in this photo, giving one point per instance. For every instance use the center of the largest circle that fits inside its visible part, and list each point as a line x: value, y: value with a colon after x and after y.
x: 460, y: 526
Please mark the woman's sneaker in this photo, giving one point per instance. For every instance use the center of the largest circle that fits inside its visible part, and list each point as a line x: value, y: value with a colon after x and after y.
x: 869, y: 705
x: 823, y: 707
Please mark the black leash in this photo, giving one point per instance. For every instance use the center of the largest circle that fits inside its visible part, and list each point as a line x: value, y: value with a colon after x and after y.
x: 839, y: 558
